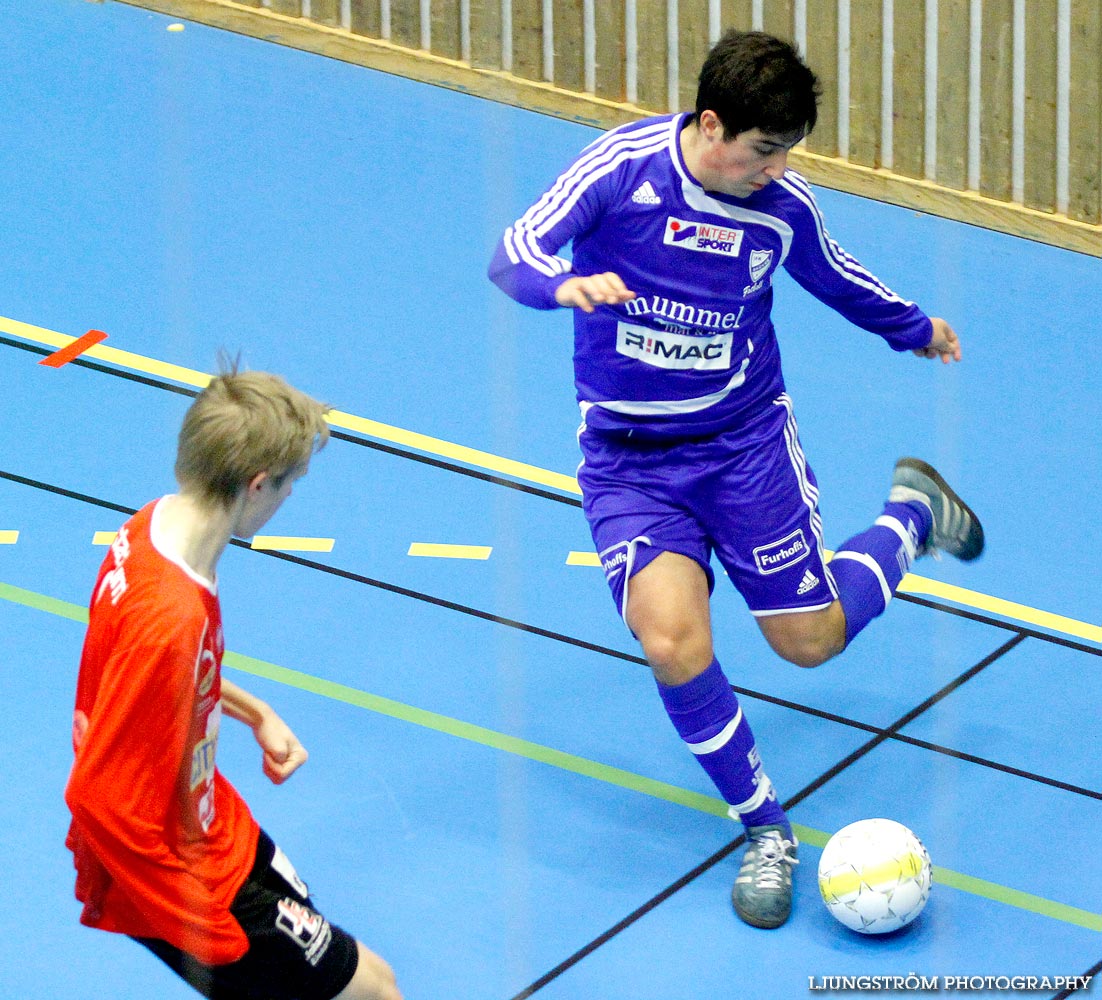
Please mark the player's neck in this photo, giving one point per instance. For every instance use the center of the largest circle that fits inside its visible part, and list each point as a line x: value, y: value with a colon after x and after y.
x: 690, y: 142
x: 694, y: 147
x: 195, y: 532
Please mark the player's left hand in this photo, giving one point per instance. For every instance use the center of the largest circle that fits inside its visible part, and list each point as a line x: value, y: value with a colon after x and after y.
x: 283, y: 754
x: 944, y: 343
x: 588, y: 291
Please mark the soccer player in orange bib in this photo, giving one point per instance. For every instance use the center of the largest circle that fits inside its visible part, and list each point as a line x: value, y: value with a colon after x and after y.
x: 166, y: 850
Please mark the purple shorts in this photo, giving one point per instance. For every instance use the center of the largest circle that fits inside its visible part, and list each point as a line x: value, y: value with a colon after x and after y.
x: 748, y: 495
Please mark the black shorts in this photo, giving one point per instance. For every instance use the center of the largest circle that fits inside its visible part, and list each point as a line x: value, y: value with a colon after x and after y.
x: 294, y: 952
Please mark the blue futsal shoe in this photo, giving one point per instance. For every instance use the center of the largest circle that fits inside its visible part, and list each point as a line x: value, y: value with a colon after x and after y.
x: 956, y: 528
x: 763, y: 890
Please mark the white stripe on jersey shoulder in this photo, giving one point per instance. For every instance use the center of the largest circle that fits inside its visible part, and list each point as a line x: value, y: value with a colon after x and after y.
x: 835, y: 256
x: 840, y: 255
x: 597, y: 160
x: 160, y: 543
x: 520, y: 248
x: 644, y: 126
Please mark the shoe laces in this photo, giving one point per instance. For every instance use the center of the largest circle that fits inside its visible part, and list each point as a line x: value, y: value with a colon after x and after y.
x: 771, y: 857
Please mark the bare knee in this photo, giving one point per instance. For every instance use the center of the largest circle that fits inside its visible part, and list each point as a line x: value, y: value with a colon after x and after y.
x: 667, y: 609
x: 373, y: 980
x: 807, y: 639
x: 677, y: 654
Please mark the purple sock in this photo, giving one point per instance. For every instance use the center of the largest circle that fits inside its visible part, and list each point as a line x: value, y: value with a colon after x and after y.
x: 869, y: 567
x: 707, y: 716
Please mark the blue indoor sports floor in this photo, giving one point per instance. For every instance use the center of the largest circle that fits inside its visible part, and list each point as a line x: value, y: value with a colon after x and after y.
x: 495, y: 801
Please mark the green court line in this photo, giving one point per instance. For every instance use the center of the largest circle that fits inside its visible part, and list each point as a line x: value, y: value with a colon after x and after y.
x: 40, y: 602
x: 557, y: 758
x: 912, y: 583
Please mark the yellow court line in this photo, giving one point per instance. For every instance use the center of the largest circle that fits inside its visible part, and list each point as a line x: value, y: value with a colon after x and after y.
x: 1004, y: 609
x: 583, y: 559
x: 348, y: 421
x: 292, y: 543
x: 458, y: 452
x: 438, y: 551
x: 124, y: 359
x: 9, y: 537
x: 912, y: 583
x: 103, y: 537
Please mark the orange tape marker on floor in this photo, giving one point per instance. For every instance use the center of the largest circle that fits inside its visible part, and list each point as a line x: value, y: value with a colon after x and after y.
x: 74, y: 350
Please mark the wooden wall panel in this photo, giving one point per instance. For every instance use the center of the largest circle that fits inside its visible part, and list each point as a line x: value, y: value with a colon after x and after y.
x: 608, y: 17
x: 365, y: 18
x: 822, y: 57
x: 909, y: 90
x: 652, y: 34
x: 528, y: 39
x: 326, y: 12
x: 1085, y: 161
x: 736, y: 14
x: 952, y: 94
x: 569, y: 47
x: 866, y: 54
x: 293, y: 8
x: 996, y: 98
x: 692, y: 49
x: 405, y: 23
x: 444, y: 28
x: 486, y: 34
x: 1040, y: 105
x: 779, y: 19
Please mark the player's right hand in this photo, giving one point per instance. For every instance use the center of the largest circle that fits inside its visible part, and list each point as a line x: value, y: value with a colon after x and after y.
x: 592, y: 290
x: 944, y: 342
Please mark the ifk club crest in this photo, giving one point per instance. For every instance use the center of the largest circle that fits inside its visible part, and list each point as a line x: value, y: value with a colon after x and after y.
x: 760, y: 261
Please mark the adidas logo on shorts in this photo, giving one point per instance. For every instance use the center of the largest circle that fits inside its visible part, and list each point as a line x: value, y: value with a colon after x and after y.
x: 808, y: 583
x: 645, y: 195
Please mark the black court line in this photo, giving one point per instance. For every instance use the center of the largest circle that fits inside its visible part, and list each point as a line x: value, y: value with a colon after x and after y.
x: 580, y: 643
x: 1020, y: 633
x: 723, y: 852
x: 1090, y: 973
x: 922, y: 744
x: 79, y: 362
x: 537, y: 491
x: 363, y: 442
x: 905, y: 720
x: 879, y: 737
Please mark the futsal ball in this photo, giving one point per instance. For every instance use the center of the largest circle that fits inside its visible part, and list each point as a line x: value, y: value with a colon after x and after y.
x: 874, y: 876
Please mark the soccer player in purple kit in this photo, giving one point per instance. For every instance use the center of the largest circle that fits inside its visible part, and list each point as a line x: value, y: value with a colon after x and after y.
x: 688, y: 437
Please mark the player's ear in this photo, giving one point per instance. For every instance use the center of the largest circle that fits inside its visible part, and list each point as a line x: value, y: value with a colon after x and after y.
x: 257, y: 482
x: 710, y: 124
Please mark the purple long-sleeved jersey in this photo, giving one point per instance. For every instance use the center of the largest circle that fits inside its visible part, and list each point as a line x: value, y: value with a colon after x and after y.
x: 695, y: 352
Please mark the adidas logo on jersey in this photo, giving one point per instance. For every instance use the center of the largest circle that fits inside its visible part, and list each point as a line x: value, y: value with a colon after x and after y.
x: 809, y: 582
x: 645, y: 195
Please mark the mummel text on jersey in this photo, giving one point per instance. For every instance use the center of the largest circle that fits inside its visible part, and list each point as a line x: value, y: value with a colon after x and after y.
x: 695, y: 352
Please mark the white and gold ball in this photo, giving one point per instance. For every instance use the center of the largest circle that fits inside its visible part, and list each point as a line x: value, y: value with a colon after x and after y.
x: 874, y: 876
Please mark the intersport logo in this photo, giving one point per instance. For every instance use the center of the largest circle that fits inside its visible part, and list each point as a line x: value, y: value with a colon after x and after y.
x: 702, y: 237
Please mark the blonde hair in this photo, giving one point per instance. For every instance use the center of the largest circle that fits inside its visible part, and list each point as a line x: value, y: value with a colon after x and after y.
x: 244, y: 423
